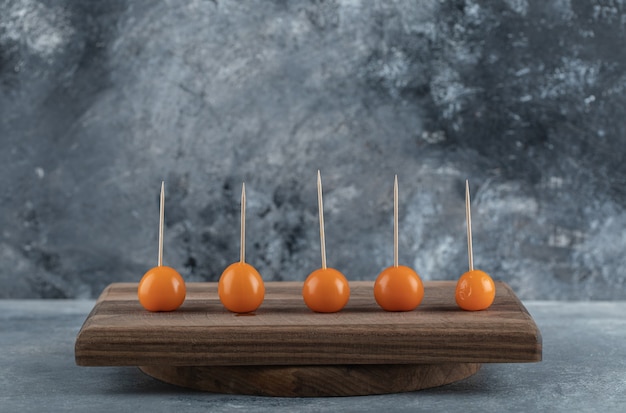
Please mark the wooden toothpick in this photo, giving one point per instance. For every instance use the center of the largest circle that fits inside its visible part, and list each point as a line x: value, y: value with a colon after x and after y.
x: 468, y: 220
x: 161, y: 222
x: 395, y: 221
x: 320, y: 206
x: 242, y: 250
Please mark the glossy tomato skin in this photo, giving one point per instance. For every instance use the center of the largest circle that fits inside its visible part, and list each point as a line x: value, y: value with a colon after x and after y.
x: 475, y: 291
x: 161, y: 289
x: 241, y: 288
x: 398, y: 289
x: 326, y: 290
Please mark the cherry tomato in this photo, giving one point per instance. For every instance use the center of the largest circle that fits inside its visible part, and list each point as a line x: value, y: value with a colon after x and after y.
x: 326, y: 290
x: 475, y: 291
x: 161, y: 289
x: 398, y: 289
x: 241, y: 288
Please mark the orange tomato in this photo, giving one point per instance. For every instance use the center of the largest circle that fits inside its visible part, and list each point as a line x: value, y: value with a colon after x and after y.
x: 326, y: 290
x: 475, y: 291
x: 398, y: 289
x: 161, y: 289
x: 241, y: 288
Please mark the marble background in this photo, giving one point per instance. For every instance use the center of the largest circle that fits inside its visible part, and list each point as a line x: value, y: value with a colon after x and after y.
x: 100, y: 101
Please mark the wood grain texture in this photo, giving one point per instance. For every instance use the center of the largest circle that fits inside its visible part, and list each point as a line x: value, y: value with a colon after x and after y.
x: 283, y: 331
x: 313, y: 381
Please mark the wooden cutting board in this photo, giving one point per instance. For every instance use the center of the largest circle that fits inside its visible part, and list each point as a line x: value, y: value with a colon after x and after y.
x: 284, y: 347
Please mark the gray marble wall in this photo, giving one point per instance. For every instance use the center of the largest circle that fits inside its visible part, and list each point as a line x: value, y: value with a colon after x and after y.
x: 101, y: 100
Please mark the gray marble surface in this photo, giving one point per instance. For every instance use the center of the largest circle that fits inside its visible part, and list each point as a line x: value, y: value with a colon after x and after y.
x: 583, y: 370
x: 101, y: 100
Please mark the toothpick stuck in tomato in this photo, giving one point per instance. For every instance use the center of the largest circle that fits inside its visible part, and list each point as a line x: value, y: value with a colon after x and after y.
x: 326, y: 290
x: 161, y: 288
x: 241, y: 288
x: 475, y: 289
x: 398, y: 288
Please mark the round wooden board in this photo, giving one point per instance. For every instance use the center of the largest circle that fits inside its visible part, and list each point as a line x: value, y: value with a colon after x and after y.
x: 313, y: 381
